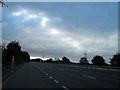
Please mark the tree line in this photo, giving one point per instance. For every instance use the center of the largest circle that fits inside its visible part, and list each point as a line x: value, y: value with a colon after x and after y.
x: 50, y: 60
x: 13, y: 51
x: 97, y: 60
x: 12, y: 54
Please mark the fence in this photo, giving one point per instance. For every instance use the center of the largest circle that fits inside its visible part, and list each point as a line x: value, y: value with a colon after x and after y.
x: 96, y: 67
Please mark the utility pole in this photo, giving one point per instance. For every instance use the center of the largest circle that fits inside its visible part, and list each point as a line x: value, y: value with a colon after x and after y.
x: 13, y: 62
x: 43, y: 55
x: 85, y: 55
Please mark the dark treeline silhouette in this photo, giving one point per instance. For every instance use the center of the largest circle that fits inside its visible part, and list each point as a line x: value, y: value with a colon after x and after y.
x: 37, y: 60
x: 65, y: 60
x: 13, y: 51
x: 56, y: 60
x: 84, y: 60
x: 115, y: 60
x: 49, y: 60
x: 98, y: 60
x: 12, y: 54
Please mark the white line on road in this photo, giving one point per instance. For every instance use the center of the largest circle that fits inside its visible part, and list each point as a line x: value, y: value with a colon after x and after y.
x: 56, y: 81
x: 65, y: 87
x: 89, y: 77
x: 50, y: 77
x: 46, y: 74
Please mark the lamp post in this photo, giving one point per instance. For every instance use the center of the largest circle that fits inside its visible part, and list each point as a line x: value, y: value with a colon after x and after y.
x: 85, y: 55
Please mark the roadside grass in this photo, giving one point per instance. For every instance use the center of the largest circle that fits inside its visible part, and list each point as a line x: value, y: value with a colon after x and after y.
x: 94, y: 68
x: 8, y: 71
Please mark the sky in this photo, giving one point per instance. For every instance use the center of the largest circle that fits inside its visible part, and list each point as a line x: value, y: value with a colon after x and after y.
x: 57, y: 29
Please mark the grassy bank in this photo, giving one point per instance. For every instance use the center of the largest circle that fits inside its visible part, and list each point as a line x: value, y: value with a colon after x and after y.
x: 8, y: 70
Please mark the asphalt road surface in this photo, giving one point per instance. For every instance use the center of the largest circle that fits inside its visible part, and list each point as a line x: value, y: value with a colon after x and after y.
x: 49, y: 75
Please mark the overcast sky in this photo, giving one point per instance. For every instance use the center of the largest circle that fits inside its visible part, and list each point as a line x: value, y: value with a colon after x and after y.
x: 63, y: 29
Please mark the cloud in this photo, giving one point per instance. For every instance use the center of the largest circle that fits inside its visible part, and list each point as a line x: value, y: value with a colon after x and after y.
x: 26, y: 16
x: 20, y: 13
x: 42, y: 32
x: 44, y: 21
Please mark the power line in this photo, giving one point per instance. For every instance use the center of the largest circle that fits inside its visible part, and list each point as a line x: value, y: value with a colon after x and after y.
x: 3, y: 3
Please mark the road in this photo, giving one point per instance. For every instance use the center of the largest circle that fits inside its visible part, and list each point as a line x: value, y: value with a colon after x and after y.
x: 49, y: 75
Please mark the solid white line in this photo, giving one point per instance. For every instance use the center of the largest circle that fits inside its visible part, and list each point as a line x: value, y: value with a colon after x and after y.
x: 89, y: 77
x: 56, y: 81
x: 65, y: 87
x: 50, y: 77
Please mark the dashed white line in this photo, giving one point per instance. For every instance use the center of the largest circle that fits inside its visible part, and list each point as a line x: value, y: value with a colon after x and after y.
x: 89, y: 77
x: 50, y: 77
x: 46, y: 74
x: 65, y: 87
x: 56, y: 81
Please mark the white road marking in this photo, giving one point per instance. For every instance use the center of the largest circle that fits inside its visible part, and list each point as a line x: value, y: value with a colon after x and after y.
x: 65, y: 87
x: 50, y: 77
x: 56, y: 81
x: 89, y: 77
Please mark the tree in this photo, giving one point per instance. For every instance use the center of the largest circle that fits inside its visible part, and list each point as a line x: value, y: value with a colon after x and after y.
x: 37, y: 60
x: 65, y: 60
x: 13, y: 48
x: 57, y: 59
x: 49, y: 60
x: 25, y: 56
x: 83, y: 60
x: 12, y: 55
x: 115, y: 60
x: 98, y: 60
